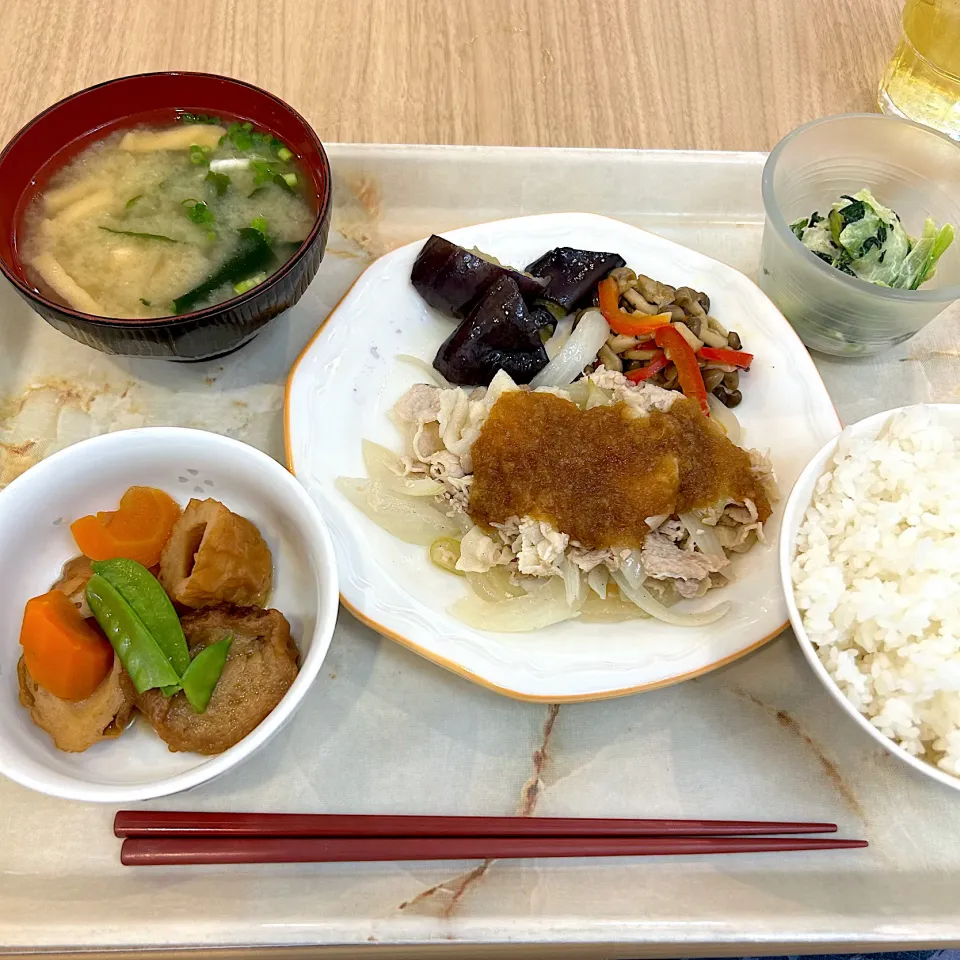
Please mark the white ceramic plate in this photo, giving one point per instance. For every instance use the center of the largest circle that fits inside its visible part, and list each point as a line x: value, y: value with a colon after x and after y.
x: 35, y: 513
x: 348, y: 378
x: 793, y: 513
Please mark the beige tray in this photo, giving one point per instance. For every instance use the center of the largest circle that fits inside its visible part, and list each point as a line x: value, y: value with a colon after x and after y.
x: 384, y: 731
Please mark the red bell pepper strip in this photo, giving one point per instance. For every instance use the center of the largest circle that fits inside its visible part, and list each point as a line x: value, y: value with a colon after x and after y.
x: 627, y: 324
x: 681, y: 355
x: 658, y: 362
x: 737, y: 358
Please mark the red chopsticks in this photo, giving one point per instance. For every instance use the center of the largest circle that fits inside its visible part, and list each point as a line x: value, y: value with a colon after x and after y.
x: 173, y: 838
x: 149, y: 823
x: 183, y: 851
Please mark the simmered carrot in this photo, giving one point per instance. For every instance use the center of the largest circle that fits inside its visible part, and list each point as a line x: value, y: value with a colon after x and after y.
x: 138, y: 530
x: 63, y: 653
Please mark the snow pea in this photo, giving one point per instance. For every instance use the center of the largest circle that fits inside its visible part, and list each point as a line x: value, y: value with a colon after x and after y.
x: 142, y: 658
x: 141, y: 589
x: 203, y: 674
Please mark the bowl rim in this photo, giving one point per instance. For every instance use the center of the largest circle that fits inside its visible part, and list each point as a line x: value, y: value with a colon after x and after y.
x: 175, y: 320
x: 945, y: 295
x: 793, y: 514
x: 317, y: 537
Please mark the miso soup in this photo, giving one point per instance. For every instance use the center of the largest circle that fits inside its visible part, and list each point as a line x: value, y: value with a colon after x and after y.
x: 153, y: 222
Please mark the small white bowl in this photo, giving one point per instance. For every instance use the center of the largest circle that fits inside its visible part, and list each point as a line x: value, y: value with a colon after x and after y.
x: 35, y: 513
x: 793, y: 514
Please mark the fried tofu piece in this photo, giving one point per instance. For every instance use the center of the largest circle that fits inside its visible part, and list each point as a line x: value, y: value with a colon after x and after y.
x: 213, y: 556
x: 260, y: 668
x: 74, y: 727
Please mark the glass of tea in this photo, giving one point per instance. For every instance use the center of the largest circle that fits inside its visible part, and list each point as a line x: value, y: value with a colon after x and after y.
x: 922, y: 81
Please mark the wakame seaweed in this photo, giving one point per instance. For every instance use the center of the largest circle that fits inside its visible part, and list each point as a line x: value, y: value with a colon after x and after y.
x: 139, y: 236
x: 253, y: 255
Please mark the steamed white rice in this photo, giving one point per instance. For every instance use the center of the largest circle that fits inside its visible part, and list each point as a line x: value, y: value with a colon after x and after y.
x: 877, y: 580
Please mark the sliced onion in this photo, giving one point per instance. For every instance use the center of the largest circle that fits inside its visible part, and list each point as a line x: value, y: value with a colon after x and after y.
x: 561, y: 335
x: 578, y: 392
x: 632, y: 568
x: 382, y: 465
x: 597, y: 396
x: 702, y: 535
x: 610, y: 610
x: 411, y: 519
x: 532, y: 611
x: 444, y: 553
x: 494, y: 585
x: 645, y: 601
x: 724, y: 416
x: 582, y: 347
x: 438, y: 378
x: 571, y: 581
x: 663, y: 591
x: 463, y: 521
x: 598, y: 579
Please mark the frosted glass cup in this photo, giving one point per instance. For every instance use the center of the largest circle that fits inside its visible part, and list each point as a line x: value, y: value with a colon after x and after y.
x: 908, y: 167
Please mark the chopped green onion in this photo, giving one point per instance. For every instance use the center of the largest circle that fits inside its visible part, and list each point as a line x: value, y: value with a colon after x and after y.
x: 247, y: 126
x: 146, y: 303
x: 133, y: 200
x: 199, y: 155
x: 290, y: 179
x: 257, y: 191
x: 197, y: 211
x: 259, y: 223
x: 240, y: 137
x: 190, y: 118
x: 284, y: 154
x: 244, y: 285
x: 229, y: 164
x: 219, y: 181
x: 140, y: 236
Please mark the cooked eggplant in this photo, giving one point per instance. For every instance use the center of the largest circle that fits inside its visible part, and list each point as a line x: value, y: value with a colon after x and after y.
x: 498, y: 334
x: 454, y: 280
x: 572, y: 275
x: 541, y: 316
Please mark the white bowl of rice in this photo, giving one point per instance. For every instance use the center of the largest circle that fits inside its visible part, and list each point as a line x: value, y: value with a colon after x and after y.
x: 870, y: 563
